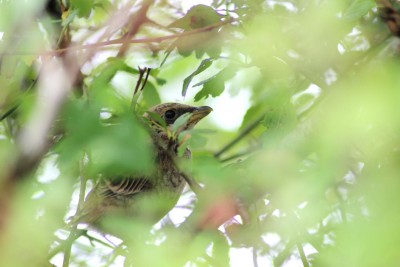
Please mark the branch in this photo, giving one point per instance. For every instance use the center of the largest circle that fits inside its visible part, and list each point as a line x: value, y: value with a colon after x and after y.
x: 139, y: 81
x: 254, y: 254
x: 194, y: 186
x: 9, y: 112
x: 137, y: 20
x: 248, y: 151
x: 73, y: 233
x: 57, y: 76
x: 122, y: 40
x: 245, y: 132
x: 140, y: 84
x: 33, y: 142
x: 302, y: 255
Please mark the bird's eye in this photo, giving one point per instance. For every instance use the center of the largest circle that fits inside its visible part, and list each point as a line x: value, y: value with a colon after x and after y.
x: 170, y: 114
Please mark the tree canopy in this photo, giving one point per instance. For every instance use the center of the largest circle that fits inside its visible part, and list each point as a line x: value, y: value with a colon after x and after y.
x: 310, y: 178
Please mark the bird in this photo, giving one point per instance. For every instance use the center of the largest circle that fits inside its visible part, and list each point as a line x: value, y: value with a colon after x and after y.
x: 146, y: 197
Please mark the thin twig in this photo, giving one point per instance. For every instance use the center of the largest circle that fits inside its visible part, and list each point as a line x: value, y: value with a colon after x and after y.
x: 302, y: 255
x: 67, y: 251
x: 140, y: 84
x: 254, y: 252
x: 94, y: 239
x: 139, y: 80
x: 196, y: 188
x: 65, y: 243
x: 73, y: 235
x: 255, y: 262
x: 145, y: 78
x: 245, y: 132
x: 241, y: 154
x: 9, y: 112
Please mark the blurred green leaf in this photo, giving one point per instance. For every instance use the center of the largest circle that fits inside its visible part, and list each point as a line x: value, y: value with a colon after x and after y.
x: 252, y: 114
x: 150, y: 95
x: 83, y: 7
x: 197, y: 17
x: 358, y: 9
x: 220, y: 251
x: 106, y: 71
x: 81, y: 124
x: 122, y: 149
x: 204, y: 42
x: 280, y: 119
x: 331, y: 171
x: 157, y: 118
x: 180, y: 122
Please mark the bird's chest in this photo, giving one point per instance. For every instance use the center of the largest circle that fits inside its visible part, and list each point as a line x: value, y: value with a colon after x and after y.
x: 169, y: 176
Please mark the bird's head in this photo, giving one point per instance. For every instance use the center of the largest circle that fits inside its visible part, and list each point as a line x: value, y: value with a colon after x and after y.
x: 167, y: 115
x: 169, y: 120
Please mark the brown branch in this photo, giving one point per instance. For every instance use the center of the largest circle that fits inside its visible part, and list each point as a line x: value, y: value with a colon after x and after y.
x: 134, y: 41
x: 139, y: 80
x: 148, y: 70
x: 136, y: 20
x: 140, y: 84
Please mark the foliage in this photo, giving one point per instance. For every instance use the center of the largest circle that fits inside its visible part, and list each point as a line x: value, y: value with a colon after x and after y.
x: 313, y: 170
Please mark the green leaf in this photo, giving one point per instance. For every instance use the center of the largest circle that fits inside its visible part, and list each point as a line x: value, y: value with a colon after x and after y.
x: 106, y: 71
x: 70, y: 17
x: 280, y: 119
x: 220, y: 250
x: 83, y: 7
x: 358, y: 9
x: 150, y: 95
x: 198, y: 138
x: 215, y: 85
x: 205, y: 42
x: 122, y: 148
x: 205, y: 64
x: 81, y: 124
x: 252, y: 114
x: 157, y: 118
x: 180, y: 122
x: 197, y: 17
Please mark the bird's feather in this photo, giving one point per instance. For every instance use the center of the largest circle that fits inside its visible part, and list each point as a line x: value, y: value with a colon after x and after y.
x: 127, y: 186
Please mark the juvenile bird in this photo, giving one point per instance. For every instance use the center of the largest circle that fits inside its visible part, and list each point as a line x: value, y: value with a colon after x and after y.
x: 138, y: 196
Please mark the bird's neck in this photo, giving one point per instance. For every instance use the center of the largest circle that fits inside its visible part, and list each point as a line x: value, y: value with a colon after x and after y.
x: 164, y: 142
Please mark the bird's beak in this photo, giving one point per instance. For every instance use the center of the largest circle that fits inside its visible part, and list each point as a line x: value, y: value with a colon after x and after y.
x: 196, y: 114
x: 199, y: 113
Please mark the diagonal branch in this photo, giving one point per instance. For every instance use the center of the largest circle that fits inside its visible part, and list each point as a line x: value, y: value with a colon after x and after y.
x: 243, y: 134
x: 136, y: 20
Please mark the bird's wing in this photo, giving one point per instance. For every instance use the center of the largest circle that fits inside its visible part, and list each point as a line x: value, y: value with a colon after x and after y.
x: 124, y: 186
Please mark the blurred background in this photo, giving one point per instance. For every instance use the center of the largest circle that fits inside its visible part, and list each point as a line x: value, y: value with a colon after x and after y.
x: 298, y: 160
